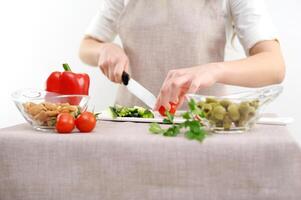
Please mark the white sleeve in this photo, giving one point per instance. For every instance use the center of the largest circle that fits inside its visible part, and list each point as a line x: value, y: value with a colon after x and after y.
x: 252, y: 22
x: 103, y: 25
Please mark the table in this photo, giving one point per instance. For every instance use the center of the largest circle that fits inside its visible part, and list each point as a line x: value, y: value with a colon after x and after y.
x: 124, y: 161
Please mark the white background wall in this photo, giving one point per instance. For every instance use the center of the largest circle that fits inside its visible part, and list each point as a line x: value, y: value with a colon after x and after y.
x: 36, y: 37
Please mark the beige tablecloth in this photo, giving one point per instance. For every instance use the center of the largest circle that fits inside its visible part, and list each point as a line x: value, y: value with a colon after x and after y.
x: 125, y: 161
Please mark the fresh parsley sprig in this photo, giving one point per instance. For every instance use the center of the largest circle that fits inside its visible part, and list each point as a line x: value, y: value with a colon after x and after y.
x: 192, y: 127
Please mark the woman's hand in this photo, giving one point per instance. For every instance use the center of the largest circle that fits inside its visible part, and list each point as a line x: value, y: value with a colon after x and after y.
x: 112, y: 61
x: 181, y: 81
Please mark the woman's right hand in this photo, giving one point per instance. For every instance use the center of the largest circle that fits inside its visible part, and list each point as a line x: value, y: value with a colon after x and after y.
x: 113, y: 61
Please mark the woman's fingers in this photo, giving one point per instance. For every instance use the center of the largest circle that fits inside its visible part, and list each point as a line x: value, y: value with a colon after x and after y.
x: 104, y: 69
x: 182, y: 98
x: 157, y: 105
x: 113, y: 61
x: 121, y: 66
x: 163, y: 92
x: 173, y: 89
x: 118, y: 72
x: 193, y: 87
x: 162, y: 100
x: 177, y: 84
x: 180, y: 82
x: 111, y: 69
x: 179, y: 87
x: 103, y: 65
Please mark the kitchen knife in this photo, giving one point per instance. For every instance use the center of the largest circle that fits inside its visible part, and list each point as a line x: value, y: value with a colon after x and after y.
x: 138, y: 90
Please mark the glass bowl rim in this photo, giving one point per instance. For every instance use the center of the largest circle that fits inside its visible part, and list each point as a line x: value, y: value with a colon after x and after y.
x: 242, y: 95
x: 15, y: 96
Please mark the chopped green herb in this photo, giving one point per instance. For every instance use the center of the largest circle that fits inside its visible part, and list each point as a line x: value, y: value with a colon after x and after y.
x: 193, y: 127
x: 156, y: 128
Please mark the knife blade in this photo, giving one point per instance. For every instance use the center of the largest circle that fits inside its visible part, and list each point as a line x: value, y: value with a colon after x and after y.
x: 138, y: 90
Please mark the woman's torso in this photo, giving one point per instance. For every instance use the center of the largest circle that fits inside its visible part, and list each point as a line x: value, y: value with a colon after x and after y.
x: 161, y: 35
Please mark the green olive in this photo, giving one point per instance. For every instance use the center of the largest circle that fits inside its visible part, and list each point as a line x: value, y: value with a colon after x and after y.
x: 225, y: 103
x: 200, y: 104
x: 244, y: 108
x: 208, y: 115
x: 251, y: 113
x: 233, y: 111
x: 211, y: 100
x: 212, y: 122
x: 219, y: 124
x: 227, y: 122
x: 207, y: 108
x: 255, y: 103
x: 213, y: 105
x: 225, y: 113
x: 219, y: 112
x: 242, y: 123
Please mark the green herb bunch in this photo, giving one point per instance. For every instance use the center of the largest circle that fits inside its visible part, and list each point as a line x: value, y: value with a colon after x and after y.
x: 191, y: 127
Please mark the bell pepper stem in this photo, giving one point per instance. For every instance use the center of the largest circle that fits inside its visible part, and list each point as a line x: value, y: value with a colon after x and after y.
x: 66, y: 67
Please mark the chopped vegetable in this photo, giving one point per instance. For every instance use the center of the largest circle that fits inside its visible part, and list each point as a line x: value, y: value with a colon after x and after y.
x: 192, y: 126
x: 172, y: 111
x: 136, y: 111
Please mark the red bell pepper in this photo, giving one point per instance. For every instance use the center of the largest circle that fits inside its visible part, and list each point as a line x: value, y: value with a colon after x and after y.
x: 68, y: 83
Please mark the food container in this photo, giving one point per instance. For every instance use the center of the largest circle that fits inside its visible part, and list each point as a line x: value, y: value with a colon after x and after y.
x: 40, y: 108
x: 236, y: 112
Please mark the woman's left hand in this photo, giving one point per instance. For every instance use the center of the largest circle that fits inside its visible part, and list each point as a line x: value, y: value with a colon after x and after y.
x: 186, y: 80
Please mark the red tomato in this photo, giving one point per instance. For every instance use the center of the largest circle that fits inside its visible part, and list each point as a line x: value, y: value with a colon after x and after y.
x: 172, y: 111
x: 85, y: 122
x: 65, y: 123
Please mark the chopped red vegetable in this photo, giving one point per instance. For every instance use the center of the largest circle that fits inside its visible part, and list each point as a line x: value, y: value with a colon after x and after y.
x: 172, y: 111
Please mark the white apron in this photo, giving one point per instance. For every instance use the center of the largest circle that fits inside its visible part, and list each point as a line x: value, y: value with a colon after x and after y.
x: 160, y: 35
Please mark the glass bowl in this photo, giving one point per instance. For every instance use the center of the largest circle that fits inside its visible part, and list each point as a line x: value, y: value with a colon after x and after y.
x: 40, y: 108
x: 237, y: 112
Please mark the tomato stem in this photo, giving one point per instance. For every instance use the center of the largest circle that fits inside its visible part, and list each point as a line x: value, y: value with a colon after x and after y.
x: 66, y: 67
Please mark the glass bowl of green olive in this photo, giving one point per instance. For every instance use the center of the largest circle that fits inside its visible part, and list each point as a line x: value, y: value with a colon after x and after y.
x: 237, y: 112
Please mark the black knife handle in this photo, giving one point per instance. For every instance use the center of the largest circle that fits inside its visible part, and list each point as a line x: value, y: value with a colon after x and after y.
x: 125, y: 78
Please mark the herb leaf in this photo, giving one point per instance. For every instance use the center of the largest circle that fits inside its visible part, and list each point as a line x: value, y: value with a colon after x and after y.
x: 193, y: 127
x: 186, y: 116
x: 169, y: 116
x: 172, y: 131
x: 156, y: 128
x: 167, y: 121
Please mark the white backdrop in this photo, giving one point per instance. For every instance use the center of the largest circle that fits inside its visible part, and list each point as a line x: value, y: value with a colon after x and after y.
x: 36, y: 37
